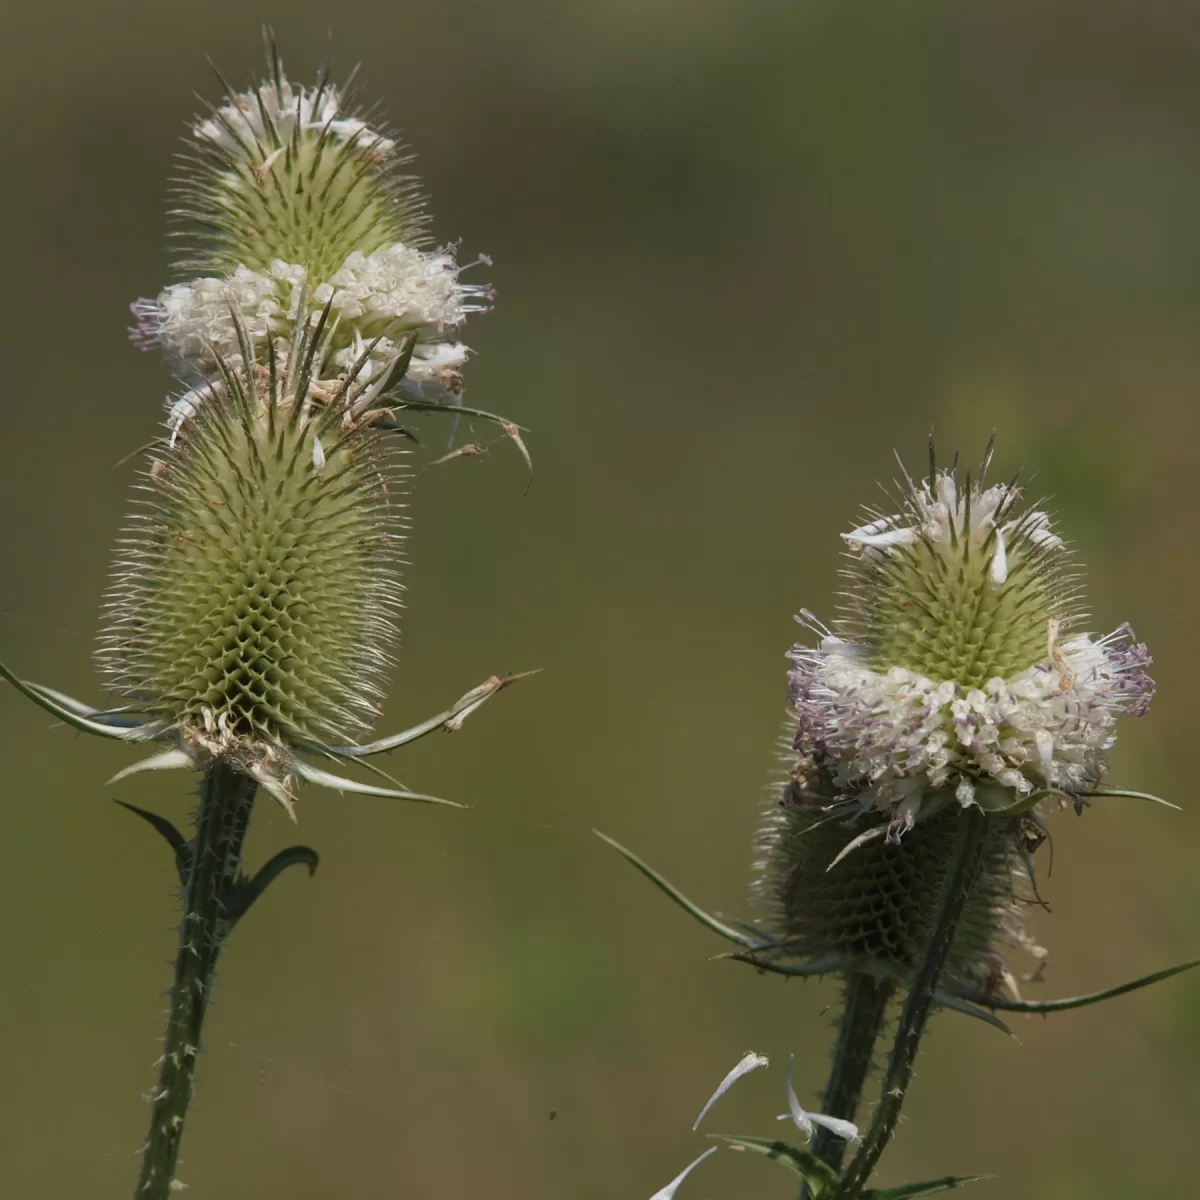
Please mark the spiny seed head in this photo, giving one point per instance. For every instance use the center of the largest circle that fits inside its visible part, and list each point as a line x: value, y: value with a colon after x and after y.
x: 257, y: 584
x: 880, y: 901
x: 290, y: 200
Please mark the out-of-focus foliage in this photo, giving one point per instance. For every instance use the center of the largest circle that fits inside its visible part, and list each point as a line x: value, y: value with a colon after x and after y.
x: 743, y: 250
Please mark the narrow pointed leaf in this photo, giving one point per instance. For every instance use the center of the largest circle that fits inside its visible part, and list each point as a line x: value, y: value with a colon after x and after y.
x: 823, y: 965
x: 248, y: 891
x: 168, y: 760
x: 415, y: 404
x: 707, y: 919
x: 275, y: 788
x: 751, y: 1062
x: 1049, y: 1006
x: 178, y: 843
x: 451, y: 720
x: 863, y: 838
x: 909, y: 1191
x: 315, y: 775
x: 819, y: 1176
x: 68, y: 714
x: 668, y: 1193
x: 104, y: 716
x: 1134, y: 796
x: 956, y: 1004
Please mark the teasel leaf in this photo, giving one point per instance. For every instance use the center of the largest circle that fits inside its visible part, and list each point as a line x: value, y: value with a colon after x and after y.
x: 116, y: 718
x: 170, y: 834
x: 338, y: 783
x: 451, y: 719
x: 908, y: 1191
x: 169, y: 760
x: 247, y: 891
x: 820, y: 1177
x: 1048, y: 1006
x: 707, y: 919
x: 825, y: 964
x: 1132, y: 796
x: 70, y: 713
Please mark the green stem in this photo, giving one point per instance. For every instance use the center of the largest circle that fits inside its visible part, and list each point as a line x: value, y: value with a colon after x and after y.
x: 960, y: 880
x: 214, y: 856
x: 864, y: 1007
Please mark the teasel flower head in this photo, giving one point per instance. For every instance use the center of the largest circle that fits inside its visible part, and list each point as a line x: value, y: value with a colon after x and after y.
x: 291, y: 200
x: 958, y: 675
x: 257, y: 586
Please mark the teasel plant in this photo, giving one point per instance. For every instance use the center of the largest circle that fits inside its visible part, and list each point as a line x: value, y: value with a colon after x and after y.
x: 954, y: 706
x: 249, y: 629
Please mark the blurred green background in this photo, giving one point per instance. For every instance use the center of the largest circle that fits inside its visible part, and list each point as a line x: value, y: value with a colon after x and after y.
x: 744, y: 249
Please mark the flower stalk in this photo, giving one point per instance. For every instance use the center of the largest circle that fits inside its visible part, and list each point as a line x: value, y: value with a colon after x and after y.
x: 963, y: 875
x: 865, y: 1002
x: 210, y: 867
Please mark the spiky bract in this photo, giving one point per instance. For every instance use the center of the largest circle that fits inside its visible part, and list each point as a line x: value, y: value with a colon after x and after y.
x: 257, y: 587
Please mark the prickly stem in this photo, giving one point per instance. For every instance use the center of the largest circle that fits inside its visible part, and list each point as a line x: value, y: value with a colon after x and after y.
x: 864, y: 1007
x: 960, y: 879
x: 226, y: 801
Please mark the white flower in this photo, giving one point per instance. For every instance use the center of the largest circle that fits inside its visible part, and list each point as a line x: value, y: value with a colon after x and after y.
x: 400, y: 284
x: 948, y: 673
x: 1048, y: 727
x: 668, y: 1193
x: 941, y: 515
x: 374, y: 299
x: 807, y: 1121
x: 239, y: 127
x: 751, y: 1062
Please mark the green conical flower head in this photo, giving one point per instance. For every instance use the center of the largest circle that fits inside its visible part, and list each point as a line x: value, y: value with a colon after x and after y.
x: 957, y: 664
x: 961, y: 588
x: 257, y: 587
x: 293, y: 174
x: 289, y: 199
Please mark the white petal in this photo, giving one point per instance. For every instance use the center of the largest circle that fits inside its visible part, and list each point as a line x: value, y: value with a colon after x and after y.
x: 318, y: 455
x: 999, y: 560
x: 846, y: 1130
x: 750, y: 1063
x: 668, y: 1193
x: 800, y: 1118
x: 880, y: 538
x: 1044, y: 740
